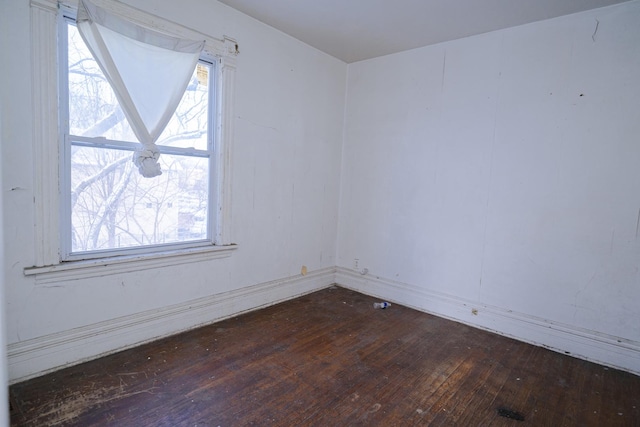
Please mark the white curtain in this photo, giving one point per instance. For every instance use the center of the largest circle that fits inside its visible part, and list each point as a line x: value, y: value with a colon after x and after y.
x: 149, y: 72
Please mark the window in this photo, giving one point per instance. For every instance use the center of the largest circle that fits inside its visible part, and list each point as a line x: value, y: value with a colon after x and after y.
x: 54, y: 259
x: 107, y: 206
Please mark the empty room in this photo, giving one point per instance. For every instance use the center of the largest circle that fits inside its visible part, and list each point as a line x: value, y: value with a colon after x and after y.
x: 203, y: 204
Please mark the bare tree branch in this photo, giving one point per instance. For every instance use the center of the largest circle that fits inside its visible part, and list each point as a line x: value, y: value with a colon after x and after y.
x: 110, y: 203
x: 105, y: 124
x: 75, y: 193
x: 187, y: 135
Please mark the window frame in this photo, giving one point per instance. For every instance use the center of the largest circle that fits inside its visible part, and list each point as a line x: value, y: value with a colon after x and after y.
x: 49, y: 262
x: 67, y: 140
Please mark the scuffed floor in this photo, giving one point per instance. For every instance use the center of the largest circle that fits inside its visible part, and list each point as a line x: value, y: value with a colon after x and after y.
x: 331, y: 359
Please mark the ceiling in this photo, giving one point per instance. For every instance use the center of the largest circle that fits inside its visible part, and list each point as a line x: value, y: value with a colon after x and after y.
x: 353, y: 30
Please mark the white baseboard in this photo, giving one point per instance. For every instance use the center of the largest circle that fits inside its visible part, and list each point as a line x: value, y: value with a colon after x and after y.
x: 35, y: 357
x: 616, y: 352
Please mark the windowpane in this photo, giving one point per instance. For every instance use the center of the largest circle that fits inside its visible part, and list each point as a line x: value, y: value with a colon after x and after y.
x: 114, y: 207
x: 94, y: 109
x: 189, y: 125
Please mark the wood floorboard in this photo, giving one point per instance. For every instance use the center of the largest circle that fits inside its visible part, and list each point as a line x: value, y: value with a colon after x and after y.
x: 331, y: 359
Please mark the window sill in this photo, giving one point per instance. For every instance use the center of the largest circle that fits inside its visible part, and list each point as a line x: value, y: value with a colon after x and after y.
x: 74, y: 270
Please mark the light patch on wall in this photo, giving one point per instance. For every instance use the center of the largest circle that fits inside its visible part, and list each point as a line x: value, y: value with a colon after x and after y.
x: 303, y: 270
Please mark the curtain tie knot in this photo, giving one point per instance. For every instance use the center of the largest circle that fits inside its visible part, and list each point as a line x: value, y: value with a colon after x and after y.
x: 146, y: 159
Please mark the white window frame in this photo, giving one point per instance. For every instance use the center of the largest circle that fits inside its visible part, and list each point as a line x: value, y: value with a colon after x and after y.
x: 67, y: 140
x: 48, y: 263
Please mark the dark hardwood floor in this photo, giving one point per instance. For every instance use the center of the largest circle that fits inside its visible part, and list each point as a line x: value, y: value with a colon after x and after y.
x: 331, y: 359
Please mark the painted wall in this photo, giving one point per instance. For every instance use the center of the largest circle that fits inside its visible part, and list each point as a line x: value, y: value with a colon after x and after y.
x: 4, y: 375
x: 499, y: 173
x: 4, y: 392
x: 285, y: 185
x: 494, y: 175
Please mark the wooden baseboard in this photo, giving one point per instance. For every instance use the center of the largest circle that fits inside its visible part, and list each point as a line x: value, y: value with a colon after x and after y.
x: 616, y: 352
x: 35, y: 357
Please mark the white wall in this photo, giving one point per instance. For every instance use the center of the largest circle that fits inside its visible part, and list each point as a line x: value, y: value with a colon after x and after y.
x: 474, y: 177
x: 4, y: 392
x: 500, y: 173
x: 285, y: 190
x: 4, y: 377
